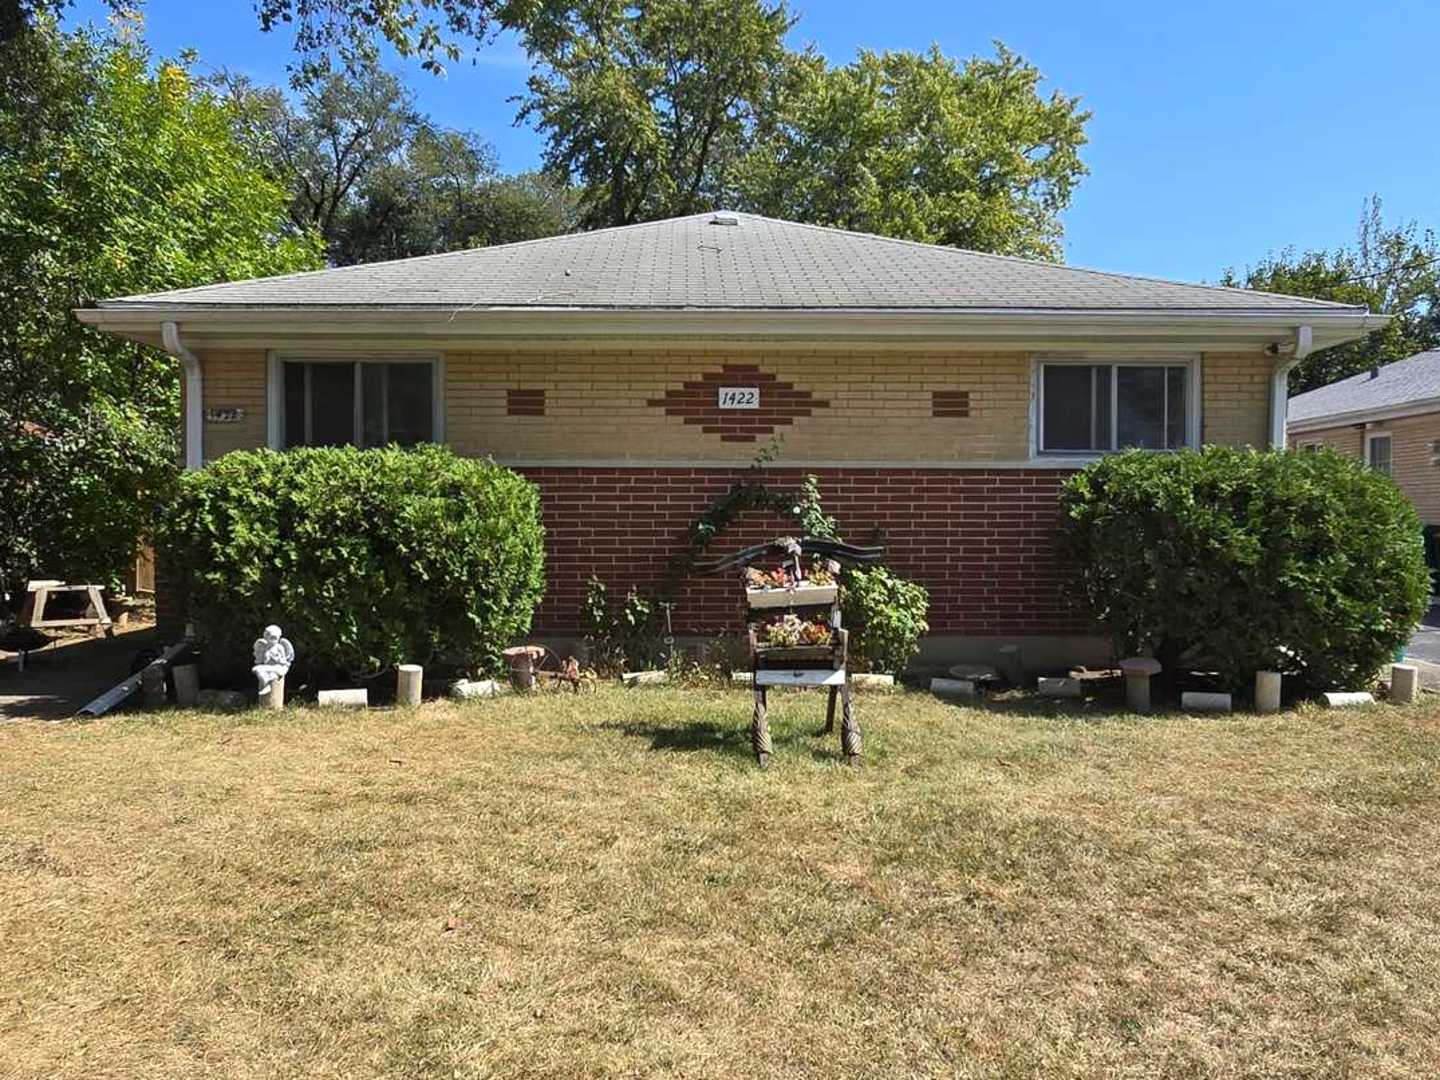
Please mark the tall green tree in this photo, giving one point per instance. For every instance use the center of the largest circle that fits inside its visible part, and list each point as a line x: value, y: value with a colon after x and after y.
x: 922, y: 147
x: 378, y: 179
x: 343, y: 34
x: 649, y: 106
x: 117, y: 176
x: 1391, y: 269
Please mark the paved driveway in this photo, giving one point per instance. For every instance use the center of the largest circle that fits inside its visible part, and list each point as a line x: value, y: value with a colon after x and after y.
x: 1425, y: 645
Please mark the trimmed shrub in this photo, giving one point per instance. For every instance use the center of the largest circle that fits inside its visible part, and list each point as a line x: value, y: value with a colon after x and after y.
x: 366, y: 558
x: 885, y: 614
x: 1310, y: 564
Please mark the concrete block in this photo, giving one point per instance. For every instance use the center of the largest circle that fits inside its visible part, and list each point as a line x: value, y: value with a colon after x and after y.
x: 1267, y: 691
x: 645, y: 678
x: 1058, y: 687
x: 465, y: 689
x: 1404, y: 683
x: 1010, y: 659
x: 1199, y: 701
x: 357, y: 698
x: 952, y: 687
x: 408, y: 680
x: 274, y: 698
x: 742, y: 678
x: 187, y: 685
x: 1347, y: 699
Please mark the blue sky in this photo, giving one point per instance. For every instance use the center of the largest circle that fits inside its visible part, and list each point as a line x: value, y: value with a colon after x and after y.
x: 1221, y: 130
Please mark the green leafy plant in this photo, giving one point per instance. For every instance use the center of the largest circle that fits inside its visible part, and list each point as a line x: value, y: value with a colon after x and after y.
x: 621, y: 636
x: 1309, y: 564
x: 367, y: 558
x: 886, y: 617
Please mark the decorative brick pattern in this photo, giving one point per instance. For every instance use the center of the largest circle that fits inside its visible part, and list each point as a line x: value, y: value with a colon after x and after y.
x: 696, y: 402
x: 525, y: 402
x: 981, y: 541
x: 954, y: 403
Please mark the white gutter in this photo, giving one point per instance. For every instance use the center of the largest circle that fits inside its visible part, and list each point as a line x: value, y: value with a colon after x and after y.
x: 194, y: 394
x: 1280, y: 385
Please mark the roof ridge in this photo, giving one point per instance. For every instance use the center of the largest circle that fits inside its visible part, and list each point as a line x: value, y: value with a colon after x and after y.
x: 1053, y: 265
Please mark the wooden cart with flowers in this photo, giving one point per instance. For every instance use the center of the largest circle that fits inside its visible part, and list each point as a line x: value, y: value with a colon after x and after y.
x: 792, y: 615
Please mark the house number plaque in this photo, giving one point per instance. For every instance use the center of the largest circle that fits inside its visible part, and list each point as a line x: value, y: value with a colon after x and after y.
x: 739, y: 397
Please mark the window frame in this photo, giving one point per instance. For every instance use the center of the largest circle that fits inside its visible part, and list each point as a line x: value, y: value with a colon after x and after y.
x: 1372, y: 437
x: 1193, y: 386
x: 275, y: 385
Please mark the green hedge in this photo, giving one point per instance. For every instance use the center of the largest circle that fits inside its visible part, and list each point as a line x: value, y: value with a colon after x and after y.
x: 886, y: 617
x: 1306, y: 563
x: 366, y: 558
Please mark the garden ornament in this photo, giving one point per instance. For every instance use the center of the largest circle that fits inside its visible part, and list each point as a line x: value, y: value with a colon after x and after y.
x: 273, y: 657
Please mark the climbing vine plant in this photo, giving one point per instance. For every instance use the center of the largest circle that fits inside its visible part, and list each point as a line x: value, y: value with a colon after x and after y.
x: 748, y: 493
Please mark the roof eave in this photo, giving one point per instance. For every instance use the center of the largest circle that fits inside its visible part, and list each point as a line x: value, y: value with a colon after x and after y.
x: 1029, y: 326
x: 1352, y: 417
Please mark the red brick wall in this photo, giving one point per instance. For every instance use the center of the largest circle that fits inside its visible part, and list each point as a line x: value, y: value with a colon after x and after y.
x: 979, y: 540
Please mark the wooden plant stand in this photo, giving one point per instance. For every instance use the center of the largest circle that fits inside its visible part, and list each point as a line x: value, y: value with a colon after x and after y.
x: 821, y: 666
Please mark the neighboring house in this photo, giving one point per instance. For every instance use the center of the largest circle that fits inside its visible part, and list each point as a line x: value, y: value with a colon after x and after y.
x: 1389, y: 417
x: 940, y: 395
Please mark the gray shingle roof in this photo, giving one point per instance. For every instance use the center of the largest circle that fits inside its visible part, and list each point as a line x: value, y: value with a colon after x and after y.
x: 693, y: 263
x: 1416, y: 378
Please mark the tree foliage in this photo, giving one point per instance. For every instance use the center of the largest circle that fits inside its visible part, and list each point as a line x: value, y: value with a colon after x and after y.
x: 378, y: 179
x: 650, y: 106
x: 1394, y: 270
x: 922, y: 147
x: 117, y: 177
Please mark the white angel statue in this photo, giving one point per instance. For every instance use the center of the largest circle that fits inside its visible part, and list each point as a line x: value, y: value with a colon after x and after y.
x: 273, y: 656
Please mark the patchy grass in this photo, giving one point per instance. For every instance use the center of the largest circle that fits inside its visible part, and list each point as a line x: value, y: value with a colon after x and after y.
x: 606, y: 885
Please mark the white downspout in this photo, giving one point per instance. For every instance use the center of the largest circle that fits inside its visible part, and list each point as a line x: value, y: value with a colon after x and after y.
x: 1280, y: 384
x: 194, y: 394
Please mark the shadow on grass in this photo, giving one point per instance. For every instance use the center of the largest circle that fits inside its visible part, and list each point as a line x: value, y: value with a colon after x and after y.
x: 734, y: 740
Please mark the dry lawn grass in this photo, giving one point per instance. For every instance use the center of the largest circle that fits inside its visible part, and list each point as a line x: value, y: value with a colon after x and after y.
x: 607, y: 886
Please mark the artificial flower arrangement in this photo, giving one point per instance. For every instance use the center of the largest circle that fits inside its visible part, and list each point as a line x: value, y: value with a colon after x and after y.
x: 790, y: 631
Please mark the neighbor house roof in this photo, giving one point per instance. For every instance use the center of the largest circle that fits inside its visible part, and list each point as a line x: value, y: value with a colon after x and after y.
x: 697, y: 263
x: 1409, y: 385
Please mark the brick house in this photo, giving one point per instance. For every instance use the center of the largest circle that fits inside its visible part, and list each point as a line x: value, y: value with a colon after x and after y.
x: 1389, y: 417
x: 940, y: 395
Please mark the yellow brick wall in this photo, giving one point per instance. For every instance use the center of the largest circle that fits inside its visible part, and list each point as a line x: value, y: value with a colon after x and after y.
x: 879, y: 403
x: 1412, y: 455
x: 234, y: 380
x: 1236, y: 394
x: 596, y: 405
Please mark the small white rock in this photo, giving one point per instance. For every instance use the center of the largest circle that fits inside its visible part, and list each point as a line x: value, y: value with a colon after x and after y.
x: 356, y: 698
x: 1346, y: 699
x: 1199, y: 701
x: 1050, y: 686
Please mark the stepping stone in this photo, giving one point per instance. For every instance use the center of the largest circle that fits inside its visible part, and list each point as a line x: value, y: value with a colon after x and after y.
x: 974, y: 672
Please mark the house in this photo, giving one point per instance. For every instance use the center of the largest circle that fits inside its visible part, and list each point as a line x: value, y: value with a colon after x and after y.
x: 1390, y: 418
x: 939, y: 395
